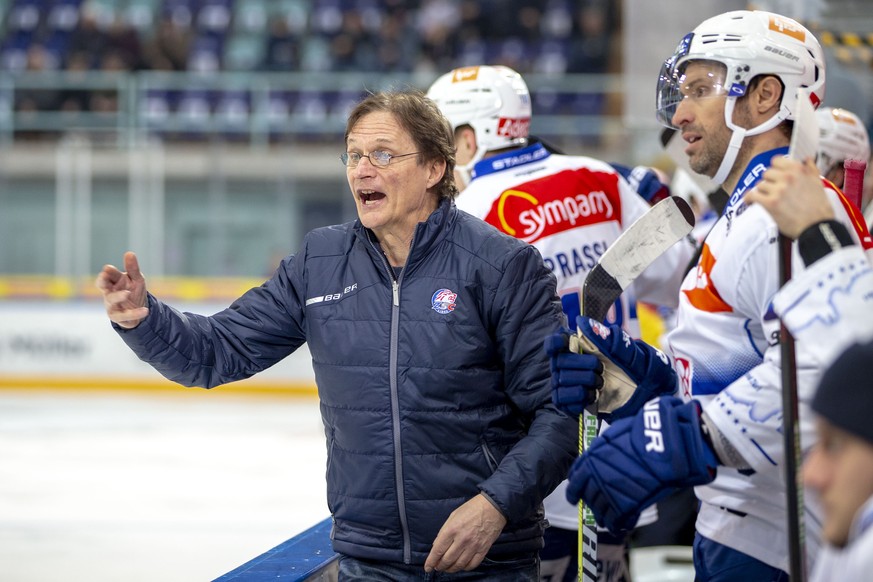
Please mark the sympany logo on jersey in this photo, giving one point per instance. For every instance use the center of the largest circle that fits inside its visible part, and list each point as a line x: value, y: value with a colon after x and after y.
x: 555, y: 203
x: 443, y: 301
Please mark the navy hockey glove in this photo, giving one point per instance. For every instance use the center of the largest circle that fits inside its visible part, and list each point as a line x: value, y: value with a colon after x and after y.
x: 575, y: 377
x: 639, y: 460
x: 634, y: 372
x: 645, y: 181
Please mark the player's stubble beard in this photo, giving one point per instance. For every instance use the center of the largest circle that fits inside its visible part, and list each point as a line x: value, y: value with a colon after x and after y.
x: 708, y: 159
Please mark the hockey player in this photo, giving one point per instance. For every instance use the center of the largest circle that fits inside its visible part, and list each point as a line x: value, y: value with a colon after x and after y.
x: 571, y: 208
x: 833, y: 299
x: 842, y: 136
x: 833, y: 296
x: 730, y: 89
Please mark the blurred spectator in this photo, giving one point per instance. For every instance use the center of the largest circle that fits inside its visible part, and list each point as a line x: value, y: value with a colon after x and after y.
x: 385, y: 36
x: 283, y: 48
x: 354, y: 48
x: 74, y: 99
x: 557, y: 21
x: 106, y: 100
x: 471, y: 21
x: 28, y: 101
x: 436, y: 22
x: 123, y: 40
x: 591, y: 39
x: 529, y: 23
x: 87, y: 37
x: 168, y: 49
x: 36, y: 99
x: 397, y: 44
x: 390, y: 35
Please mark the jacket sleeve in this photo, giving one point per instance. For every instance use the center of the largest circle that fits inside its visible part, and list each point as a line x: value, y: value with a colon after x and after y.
x: 256, y: 331
x: 526, y: 310
x: 833, y: 299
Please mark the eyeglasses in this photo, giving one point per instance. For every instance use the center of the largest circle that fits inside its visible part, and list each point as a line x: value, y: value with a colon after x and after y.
x: 377, y: 158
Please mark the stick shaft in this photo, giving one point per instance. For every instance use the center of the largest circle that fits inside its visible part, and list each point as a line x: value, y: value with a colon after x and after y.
x: 791, y: 433
x: 853, y: 181
x: 587, y: 550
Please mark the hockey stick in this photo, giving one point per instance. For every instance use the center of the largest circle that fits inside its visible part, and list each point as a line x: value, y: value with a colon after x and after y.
x: 665, y: 224
x: 804, y: 145
x: 791, y: 432
x: 853, y: 181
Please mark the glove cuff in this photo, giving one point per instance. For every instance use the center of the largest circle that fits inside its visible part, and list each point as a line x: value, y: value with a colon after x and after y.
x: 725, y: 453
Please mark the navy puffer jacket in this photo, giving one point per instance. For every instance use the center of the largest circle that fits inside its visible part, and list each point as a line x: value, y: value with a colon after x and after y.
x: 433, y: 387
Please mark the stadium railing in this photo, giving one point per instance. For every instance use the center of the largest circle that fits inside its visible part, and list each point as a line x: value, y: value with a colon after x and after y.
x: 261, y: 107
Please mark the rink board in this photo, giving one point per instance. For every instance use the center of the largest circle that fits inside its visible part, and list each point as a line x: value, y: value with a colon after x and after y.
x: 62, y: 344
x: 307, y: 557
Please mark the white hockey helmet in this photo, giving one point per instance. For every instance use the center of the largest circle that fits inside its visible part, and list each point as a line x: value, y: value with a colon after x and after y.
x: 493, y: 100
x: 748, y: 44
x: 842, y: 136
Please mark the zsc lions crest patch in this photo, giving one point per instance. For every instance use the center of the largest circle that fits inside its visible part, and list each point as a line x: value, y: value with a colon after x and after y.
x: 443, y: 301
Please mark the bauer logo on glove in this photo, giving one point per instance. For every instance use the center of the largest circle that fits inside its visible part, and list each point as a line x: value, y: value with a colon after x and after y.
x: 639, y: 460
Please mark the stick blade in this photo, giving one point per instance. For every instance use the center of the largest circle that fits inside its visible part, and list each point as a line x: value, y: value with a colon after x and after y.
x: 599, y: 292
x: 805, y: 135
x: 640, y: 245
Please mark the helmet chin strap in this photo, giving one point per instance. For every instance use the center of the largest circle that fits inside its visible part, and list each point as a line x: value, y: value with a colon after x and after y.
x: 466, y: 171
x: 737, y: 137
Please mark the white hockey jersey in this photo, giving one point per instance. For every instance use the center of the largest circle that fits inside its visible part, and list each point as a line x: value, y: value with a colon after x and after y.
x: 833, y: 299
x: 725, y: 349
x: 571, y: 208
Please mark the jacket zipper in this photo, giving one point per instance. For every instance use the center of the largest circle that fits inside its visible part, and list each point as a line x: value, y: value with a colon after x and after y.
x: 395, y: 402
x: 395, y: 423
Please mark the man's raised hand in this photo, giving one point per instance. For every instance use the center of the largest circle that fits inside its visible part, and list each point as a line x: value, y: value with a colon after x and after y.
x: 124, y: 293
x: 793, y: 194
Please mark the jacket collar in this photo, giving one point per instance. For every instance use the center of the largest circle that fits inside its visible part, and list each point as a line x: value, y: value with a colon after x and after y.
x: 427, y: 234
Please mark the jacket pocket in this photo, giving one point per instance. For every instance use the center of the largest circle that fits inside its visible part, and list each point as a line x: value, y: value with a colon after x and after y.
x: 489, y: 456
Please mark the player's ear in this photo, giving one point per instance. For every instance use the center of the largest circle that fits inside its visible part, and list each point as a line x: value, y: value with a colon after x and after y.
x: 768, y: 94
